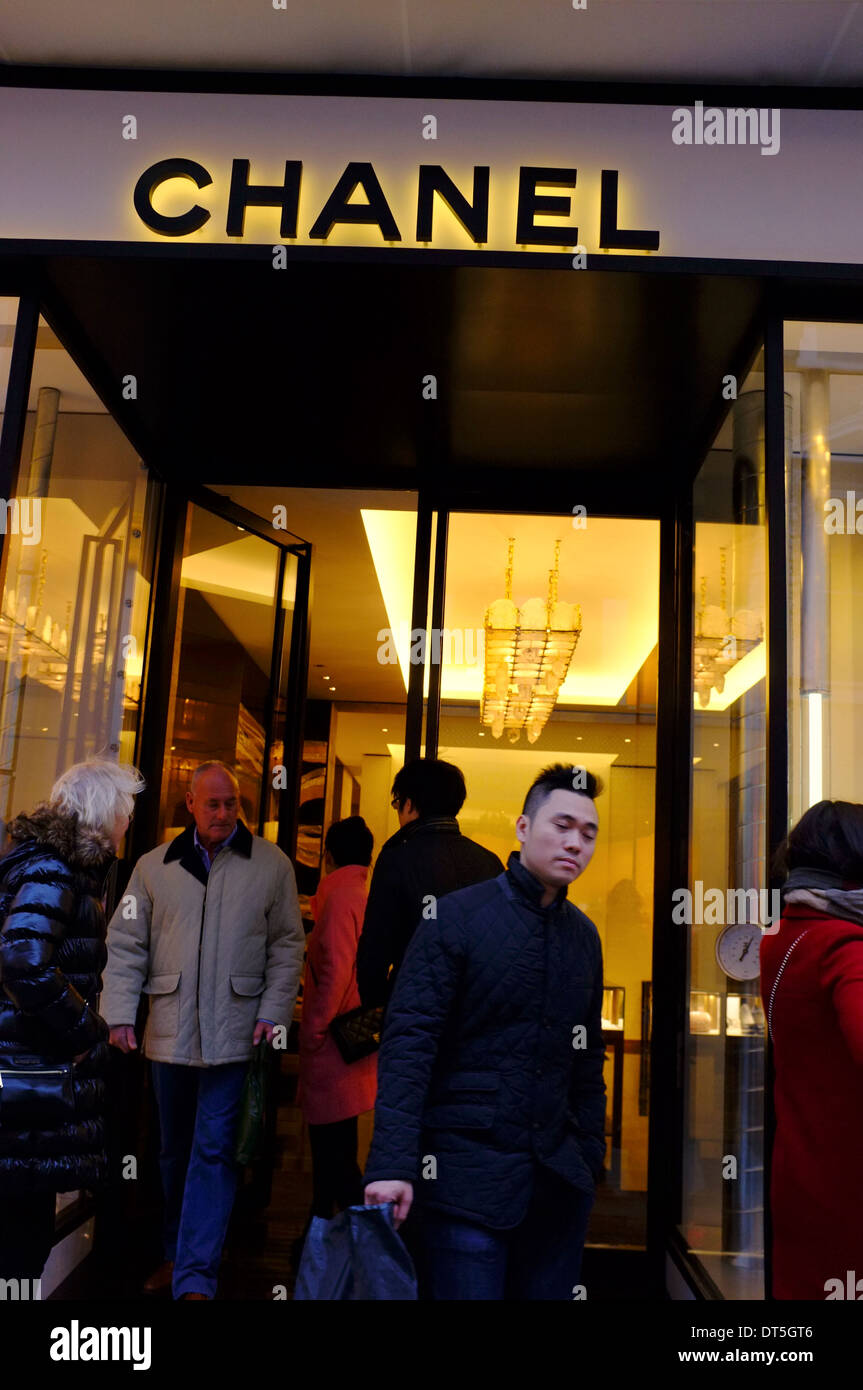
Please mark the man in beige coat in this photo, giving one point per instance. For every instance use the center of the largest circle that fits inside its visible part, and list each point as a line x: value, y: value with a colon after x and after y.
x: 210, y: 929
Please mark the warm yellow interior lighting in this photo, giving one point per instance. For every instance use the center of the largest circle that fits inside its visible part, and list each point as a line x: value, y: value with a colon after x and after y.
x: 241, y: 569
x: 610, y: 568
x: 748, y: 671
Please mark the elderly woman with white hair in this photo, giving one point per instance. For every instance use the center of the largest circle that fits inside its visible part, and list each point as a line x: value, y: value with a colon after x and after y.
x: 52, y: 1040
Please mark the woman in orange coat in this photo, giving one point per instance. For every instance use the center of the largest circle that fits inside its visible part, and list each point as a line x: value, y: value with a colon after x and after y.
x: 334, y: 1092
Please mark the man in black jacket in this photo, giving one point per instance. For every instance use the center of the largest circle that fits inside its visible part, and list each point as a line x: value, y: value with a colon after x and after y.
x: 426, y: 858
x: 491, y: 1099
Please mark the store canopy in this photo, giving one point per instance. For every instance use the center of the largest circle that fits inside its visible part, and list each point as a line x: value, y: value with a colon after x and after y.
x: 377, y: 372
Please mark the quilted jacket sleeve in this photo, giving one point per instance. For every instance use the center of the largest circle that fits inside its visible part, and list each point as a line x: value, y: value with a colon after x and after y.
x: 128, y: 953
x: 587, y: 1087
x: 38, y: 918
x: 425, y: 988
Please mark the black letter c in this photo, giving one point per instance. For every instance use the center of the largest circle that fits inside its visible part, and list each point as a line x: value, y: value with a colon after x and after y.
x: 148, y: 183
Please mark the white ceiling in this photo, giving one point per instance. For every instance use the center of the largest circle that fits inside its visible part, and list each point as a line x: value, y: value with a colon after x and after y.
x: 796, y: 42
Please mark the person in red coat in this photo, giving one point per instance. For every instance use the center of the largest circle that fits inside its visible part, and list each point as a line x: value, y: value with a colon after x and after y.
x: 334, y: 1092
x: 812, y: 989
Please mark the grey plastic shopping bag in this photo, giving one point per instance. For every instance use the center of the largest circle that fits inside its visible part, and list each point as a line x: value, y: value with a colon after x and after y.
x: 357, y: 1255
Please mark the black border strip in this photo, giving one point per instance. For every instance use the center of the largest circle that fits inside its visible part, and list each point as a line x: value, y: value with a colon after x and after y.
x: 778, y: 692
x: 681, y: 91
x: 36, y: 250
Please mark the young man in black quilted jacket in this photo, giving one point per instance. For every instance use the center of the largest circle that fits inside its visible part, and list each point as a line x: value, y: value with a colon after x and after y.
x: 490, y: 1113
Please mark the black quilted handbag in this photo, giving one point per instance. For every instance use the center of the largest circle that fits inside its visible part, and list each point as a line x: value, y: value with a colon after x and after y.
x: 357, y: 1033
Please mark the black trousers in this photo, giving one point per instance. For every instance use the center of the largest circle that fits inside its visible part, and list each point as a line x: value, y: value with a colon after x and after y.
x: 336, y: 1178
x: 26, y: 1233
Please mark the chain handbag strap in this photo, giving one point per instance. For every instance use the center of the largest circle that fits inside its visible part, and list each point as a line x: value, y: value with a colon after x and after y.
x: 776, y: 982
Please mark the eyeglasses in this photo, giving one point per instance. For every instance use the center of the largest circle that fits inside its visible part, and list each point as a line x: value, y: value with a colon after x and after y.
x: 396, y: 803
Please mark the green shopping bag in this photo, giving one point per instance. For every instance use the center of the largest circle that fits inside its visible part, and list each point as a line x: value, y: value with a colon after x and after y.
x: 253, y: 1105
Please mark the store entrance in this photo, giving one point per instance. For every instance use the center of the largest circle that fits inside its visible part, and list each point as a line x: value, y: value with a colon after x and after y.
x: 364, y: 696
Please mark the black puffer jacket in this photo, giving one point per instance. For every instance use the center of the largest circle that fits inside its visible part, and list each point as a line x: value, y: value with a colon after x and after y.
x: 492, y: 1052
x: 52, y: 953
x: 425, y: 858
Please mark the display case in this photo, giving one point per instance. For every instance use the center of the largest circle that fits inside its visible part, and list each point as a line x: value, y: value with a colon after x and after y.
x: 744, y: 1015
x: 613, y: 1008
x: 705, y: 1012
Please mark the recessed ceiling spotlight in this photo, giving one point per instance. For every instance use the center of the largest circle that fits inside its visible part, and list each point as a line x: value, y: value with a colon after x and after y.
x: 627, y: 740
x: 384, y: 731
x: 332, y: 687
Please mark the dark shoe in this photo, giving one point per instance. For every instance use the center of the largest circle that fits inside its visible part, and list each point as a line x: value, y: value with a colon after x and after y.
x: 160, y: 1279
x: 204, y: 1296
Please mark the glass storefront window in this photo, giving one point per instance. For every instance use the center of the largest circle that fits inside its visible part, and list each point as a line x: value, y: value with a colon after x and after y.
x: 76, y: 586
x: 723, y: 906
x: 603, y: 717
x: 76, y: 578
x: 824, y: 490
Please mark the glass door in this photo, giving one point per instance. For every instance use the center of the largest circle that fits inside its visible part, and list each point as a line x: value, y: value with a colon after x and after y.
x: 721, y: 910
x: 241, y: 616
x: 587, y: 590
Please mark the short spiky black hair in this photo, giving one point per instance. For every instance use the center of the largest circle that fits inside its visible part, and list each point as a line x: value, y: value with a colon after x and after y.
x: 560, y: 777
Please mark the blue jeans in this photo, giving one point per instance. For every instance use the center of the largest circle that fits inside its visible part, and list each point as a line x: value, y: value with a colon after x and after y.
x: 198, y: 1115
x: 540, y: 1259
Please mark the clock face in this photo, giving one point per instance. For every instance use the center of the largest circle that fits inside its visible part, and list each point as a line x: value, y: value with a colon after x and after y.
x: 737, y: 951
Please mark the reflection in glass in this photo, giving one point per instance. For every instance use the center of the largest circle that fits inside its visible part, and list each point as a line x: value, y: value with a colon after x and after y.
x: 824, y: 473
x: 223, y: 654
x: 76, y: 587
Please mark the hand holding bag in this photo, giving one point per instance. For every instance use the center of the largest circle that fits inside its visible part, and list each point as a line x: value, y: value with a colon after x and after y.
x: 253, y: 1106
x: 357, y: 1256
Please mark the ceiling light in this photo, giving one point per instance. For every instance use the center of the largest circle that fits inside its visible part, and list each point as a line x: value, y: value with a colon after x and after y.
x: 528, y: 651
x: 332, y: 687
x: 627, y: 740
x: 384, y: 731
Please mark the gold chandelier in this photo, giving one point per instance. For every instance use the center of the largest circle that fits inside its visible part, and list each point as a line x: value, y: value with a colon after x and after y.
x: 528, y: 651
x: 720, y: 641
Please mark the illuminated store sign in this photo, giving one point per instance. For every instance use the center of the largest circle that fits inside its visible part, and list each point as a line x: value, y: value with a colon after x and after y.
x: 470, y: 208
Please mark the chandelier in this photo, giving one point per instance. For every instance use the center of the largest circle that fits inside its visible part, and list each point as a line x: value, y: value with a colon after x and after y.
x: 527, y: 655
x: 720, y: 641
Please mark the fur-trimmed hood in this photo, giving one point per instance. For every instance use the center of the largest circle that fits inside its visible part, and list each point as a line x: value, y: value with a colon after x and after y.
x: 79, y: 846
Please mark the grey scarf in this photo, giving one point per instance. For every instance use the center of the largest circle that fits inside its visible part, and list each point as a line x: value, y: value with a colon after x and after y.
x: 822, y: 890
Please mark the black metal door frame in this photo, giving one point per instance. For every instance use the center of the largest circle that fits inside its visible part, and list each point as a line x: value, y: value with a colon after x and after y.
x: 287, y: 681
